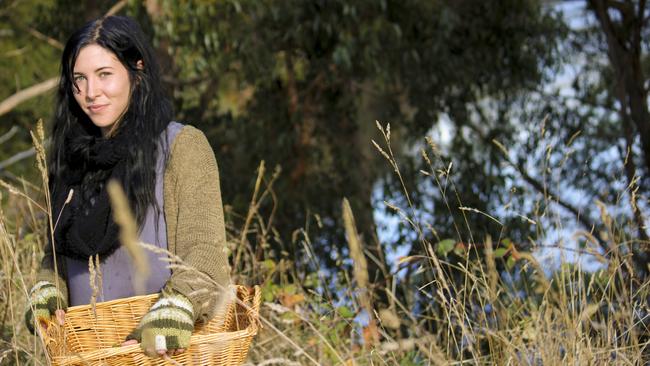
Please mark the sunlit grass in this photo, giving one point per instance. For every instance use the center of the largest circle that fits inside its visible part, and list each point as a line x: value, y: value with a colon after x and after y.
x: 483, y: 302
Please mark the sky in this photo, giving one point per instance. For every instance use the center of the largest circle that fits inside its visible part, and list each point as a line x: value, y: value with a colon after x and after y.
x: 564, y: 235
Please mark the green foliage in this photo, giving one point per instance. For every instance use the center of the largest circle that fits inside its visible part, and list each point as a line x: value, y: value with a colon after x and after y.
x: 445, y: 246
x: 499, y: 253
x: 300, y: 85
x: 345, y: 312
x: 31, y: 37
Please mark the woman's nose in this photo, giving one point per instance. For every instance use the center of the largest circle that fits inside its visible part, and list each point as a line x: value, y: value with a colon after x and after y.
x: 91, y: 89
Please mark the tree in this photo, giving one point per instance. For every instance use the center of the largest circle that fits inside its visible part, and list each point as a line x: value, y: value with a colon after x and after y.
x: 625, y: 25
x: 309, y: 79
x: 31, y: 43
x: 300, y: 85
x: 588, y: 137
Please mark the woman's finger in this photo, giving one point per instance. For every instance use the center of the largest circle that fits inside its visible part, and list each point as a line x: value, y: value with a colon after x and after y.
x: 130, y: 342
x: 150, y: 352
x: 60, y: 316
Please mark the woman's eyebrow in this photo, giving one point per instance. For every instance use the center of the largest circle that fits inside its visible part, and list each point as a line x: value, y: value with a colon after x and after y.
x: 103, y: 68
x: 96, y: 70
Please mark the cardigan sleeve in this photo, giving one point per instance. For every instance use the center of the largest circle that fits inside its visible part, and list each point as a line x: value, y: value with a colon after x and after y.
x: 195, y: 224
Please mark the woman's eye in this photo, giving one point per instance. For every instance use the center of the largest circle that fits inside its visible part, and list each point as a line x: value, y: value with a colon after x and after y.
x: 78, y: 78
x: 104, y: 74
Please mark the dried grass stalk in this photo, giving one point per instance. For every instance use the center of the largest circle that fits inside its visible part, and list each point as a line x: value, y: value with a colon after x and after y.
x: 360, y: 269
x: 129, y: 235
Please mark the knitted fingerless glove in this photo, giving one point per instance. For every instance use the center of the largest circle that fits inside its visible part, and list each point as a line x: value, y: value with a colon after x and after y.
x: 44, y: 300
x: 168, y: 324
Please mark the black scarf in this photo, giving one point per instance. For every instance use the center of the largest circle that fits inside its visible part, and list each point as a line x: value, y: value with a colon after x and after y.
x: 84, y: 226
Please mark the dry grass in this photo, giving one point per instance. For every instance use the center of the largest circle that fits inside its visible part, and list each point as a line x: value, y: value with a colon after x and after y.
x: 469, y: 311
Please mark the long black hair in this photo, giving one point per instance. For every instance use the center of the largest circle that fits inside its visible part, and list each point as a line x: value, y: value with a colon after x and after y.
x: 146, y: 116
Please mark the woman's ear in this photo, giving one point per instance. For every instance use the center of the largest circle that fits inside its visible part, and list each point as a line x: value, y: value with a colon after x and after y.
x: 140, y: 66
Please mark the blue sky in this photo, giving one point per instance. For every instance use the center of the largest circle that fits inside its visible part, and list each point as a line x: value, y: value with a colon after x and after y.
x: 563, y: 233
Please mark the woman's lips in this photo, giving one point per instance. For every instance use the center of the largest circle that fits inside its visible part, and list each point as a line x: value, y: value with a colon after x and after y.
x: 97, y: 108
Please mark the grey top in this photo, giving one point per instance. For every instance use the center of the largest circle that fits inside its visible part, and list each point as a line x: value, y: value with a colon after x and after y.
x: 117, y: 270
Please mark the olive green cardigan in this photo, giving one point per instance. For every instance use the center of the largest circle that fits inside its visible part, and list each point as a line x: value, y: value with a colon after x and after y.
x: 195, y: 226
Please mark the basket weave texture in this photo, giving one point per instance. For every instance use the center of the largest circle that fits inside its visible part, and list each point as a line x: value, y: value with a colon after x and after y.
x: 86, y: 339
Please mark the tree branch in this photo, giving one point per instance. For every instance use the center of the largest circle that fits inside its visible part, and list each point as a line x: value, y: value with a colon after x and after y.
x: 8, y: 8
x: 9, y: 134
x: 58, y: 45
x: 628, y: 161
x: 26, y: 94
x: 624, y: 8
x: 641, y: 13
x: 20, y: 156
x: 115, y: 8
x: 611, y: 32
x: 184, y: 82
x: 51, y: 41
x: 34, y: 32
x: 16, y: 158
x: 638, y: 27
x: 555, y: 198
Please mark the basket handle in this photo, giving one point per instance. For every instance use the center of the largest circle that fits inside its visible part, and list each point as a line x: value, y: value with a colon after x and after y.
x: 253, y: 311
x: 50, y: 332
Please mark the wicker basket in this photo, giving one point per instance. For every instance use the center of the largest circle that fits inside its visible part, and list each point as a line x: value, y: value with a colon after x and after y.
x: 89, y: 340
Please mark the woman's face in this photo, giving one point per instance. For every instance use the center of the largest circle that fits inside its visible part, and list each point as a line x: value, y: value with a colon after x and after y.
x: 104, y: 86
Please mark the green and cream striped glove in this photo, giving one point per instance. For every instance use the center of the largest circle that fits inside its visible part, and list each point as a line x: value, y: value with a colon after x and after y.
x: 44, y: 300
x: 167, y: 326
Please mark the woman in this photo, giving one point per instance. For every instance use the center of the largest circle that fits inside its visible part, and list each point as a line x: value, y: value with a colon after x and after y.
x: 113, y: 122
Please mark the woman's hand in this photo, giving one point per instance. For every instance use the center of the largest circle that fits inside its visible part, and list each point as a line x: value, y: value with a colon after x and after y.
x: 45, y: 300
x: 161, y: 352
x: 166, y: 328
x: 60, y: 316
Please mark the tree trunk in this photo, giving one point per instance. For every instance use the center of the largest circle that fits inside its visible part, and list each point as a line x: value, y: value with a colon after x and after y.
x: 166, y: 62
x: 624, y: 52
x: 304, y: 108
x: 364, y: 174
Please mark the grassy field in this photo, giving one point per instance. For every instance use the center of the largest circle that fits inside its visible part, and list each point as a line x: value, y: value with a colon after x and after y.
x: 491, y: 304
